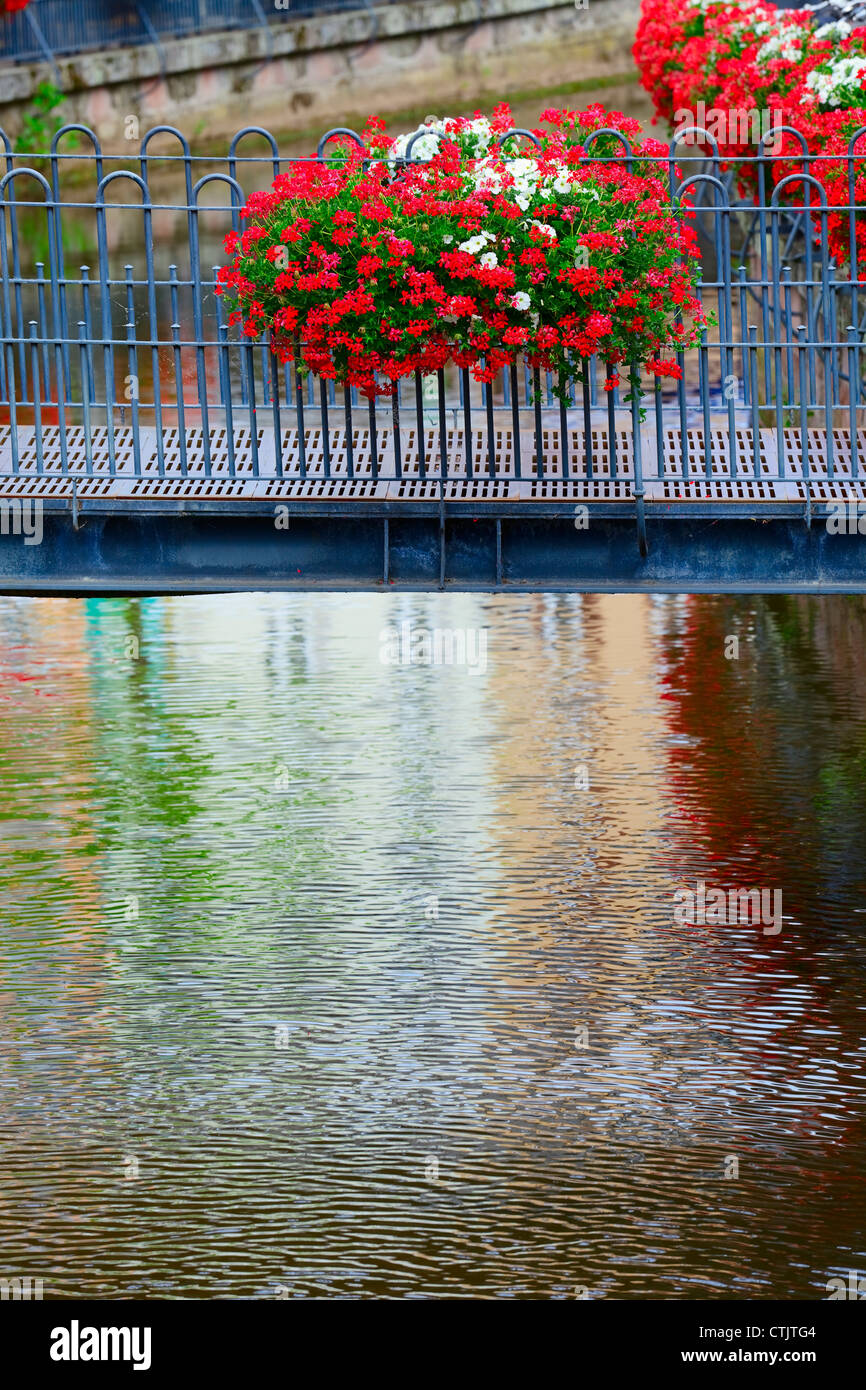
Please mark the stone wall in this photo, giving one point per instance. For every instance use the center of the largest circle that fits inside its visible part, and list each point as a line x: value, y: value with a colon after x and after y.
x: 338, y: 68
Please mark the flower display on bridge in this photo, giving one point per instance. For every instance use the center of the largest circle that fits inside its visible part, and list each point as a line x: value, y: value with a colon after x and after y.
x: 365, y: 268
x: 783, y: 65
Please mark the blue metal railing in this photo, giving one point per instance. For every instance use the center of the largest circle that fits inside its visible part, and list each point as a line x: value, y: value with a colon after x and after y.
x: 114, y: 331
x: 63, y: 27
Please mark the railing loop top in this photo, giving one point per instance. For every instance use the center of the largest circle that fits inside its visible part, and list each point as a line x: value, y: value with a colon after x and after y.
x: 122, y: 174
x: 15, y: 173
x: 518, y: 130
x: 799, y: 178
x: 75, y: 126
x: 693, y: 130
x: 332, y: 134
x: 784, y: 130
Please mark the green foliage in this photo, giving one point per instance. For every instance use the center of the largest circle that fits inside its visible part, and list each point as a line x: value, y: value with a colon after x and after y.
x: 39, y: 125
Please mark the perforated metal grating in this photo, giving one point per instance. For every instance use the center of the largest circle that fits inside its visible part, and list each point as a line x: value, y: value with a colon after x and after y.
x: 315, y: 465
x: 685, y: 455
x: 578, y: 455
x: 725, y: 490
x: 578, y: 489
x: 458, y: 490
x: 818, y: 454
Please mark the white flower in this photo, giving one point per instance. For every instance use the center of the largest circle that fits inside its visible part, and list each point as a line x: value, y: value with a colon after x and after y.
x: 482, y: 132
x: 476, y: 243
x: 836, y: 29
x: 425, y: 147
x: 489, y: 260
x: 486, y: 175
x: 520, y: 300
x: 788, y: 43
x: 523, y: 169
x: 829, y: 86
x: 476, y: 137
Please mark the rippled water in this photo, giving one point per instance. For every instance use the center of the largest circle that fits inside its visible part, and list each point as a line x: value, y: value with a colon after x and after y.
x: 298, y: 948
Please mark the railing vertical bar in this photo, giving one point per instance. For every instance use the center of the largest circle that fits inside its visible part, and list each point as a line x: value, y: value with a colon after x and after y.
x: 198, y: 329
x: 443, y: 474
x: 829, y: 348
x: 853, y: 397
x: 37, y: 403
x: 252, y: 406
x: 299, y: 417
x: 350, y: 441
x: 85, y: 306
x: 853, y: 250
x: 658, y: 405
x: 611, y: 372
x: 491, y: 430
x: 467, y: 419
x: 777, y: 346
x: 85, y: 395
x: 224, y: 367
x: 57, y: 272
x: 105, y: 316
x: 802, y: 353
x: 443, y: 431
x: 181, y: 410
x: 132, y: 363
x: 762, y: 246
x: 42, y: 318
x: 515, y: 418
x: 704, y: 376
x: 789, y: 331
x: 419, y: 421
x: 395, y: 425
x: 563, y: 424
x: 224, y: 356
x: 16, y: 282
x: 8, y: 349
x: 684, y: 433
x: 326, y: 429
x: 830, y: 313
x: 539, y: 433
x: 587, y: 420
x: 274, y: 368
x: 634, y: 382
x: 743, y: 343
x: 756, y: 419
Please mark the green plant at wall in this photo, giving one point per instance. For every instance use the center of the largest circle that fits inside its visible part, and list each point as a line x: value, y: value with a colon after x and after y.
x: 39, y: 125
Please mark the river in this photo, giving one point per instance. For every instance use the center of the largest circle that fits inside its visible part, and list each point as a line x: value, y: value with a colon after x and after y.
x: 324, y: 976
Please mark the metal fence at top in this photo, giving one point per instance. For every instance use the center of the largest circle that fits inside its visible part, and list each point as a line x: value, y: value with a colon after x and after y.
x: 118, y: 362
x: 55, y: 28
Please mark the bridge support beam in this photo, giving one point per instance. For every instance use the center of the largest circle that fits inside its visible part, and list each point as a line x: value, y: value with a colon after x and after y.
x: 144, y: 551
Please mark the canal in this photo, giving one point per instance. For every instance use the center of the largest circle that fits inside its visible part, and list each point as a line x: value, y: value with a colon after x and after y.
x: 327, y: 976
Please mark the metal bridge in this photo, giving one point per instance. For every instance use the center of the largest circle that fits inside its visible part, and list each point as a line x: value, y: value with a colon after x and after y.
x: 159, y: 452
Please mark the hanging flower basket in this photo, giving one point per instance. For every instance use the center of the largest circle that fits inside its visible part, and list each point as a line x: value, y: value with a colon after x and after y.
x: 446, y: 248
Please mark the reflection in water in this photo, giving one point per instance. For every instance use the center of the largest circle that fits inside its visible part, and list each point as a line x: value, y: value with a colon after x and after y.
x: 298, y: 948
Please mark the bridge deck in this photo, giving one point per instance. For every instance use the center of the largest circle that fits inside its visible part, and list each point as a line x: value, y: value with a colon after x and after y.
x: 246, y: 474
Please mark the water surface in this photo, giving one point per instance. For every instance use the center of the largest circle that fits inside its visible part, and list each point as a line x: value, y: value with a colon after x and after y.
x: 300, y: 950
